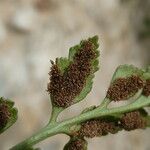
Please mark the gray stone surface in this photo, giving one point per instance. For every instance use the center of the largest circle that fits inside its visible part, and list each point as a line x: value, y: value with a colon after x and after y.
x: 34, y: 31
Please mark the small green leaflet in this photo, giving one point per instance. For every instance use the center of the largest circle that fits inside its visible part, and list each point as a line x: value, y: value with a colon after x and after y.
x: 63, y: 64
x: 124, y: 71
x: 13, y: 114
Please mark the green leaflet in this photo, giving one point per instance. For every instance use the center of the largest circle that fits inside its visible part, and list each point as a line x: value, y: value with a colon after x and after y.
x: 124, y: 71
x: 63, y: 63
x: 146, y: 74
x: 76, y: 143
x: 13, y: 114
x: 120, y: 93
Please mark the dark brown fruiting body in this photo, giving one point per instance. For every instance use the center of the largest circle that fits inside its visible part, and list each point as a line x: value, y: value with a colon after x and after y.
x: 133, y: 120
x: 4, y: 114
x: 96, y: 128
x: 146, y: 89
x: 123, y: 88
x: 65, y: 87
x: 76, y: 144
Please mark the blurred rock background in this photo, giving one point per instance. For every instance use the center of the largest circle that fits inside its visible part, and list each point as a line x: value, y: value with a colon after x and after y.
x: 34, y: 31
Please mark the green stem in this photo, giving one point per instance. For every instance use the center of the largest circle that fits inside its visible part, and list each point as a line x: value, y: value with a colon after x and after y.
x: 60, y: 127
x: 55, y: 112
x: 104, y: 103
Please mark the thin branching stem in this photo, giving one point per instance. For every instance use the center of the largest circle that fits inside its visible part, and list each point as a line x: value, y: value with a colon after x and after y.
x: 54, y: 128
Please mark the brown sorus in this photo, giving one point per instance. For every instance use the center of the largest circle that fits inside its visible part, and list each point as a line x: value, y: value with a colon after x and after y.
x: 76, y: 144
x: 146, y: 89
x: 123, y: 88
x: 96, y: 128
x: 65, y: 87
x: 4, y: 114
x: 133, y: 120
